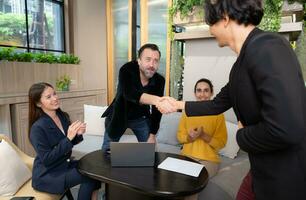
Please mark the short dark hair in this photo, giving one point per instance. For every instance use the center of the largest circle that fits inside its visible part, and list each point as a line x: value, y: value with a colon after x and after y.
x: 206, y: 81
x: 153, y: 47
x: 243, y: 11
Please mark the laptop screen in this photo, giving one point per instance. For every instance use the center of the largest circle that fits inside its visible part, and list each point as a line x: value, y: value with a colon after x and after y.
x: 140, y: 154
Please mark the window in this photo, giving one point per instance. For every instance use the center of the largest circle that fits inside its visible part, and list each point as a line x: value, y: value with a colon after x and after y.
x: 33, y: 25
x: 131, y: 24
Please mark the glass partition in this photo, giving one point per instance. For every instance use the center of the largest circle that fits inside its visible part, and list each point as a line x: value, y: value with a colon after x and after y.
x: 157, y: 28
x: 120, y: 15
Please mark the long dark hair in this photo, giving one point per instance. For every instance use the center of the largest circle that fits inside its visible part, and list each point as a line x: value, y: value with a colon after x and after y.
x: 36, y: 112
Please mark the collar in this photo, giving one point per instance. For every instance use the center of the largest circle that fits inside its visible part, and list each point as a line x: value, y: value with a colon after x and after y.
x: 253, y: 33
x: 50, y: 123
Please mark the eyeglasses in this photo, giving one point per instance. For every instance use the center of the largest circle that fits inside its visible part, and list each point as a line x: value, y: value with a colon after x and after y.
x: 204, y: 90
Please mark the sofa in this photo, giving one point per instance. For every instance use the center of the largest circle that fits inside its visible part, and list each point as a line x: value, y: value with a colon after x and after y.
x: 234, y: 162
x: 16, y: 173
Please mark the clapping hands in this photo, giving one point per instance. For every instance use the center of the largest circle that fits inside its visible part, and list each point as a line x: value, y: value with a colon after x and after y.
x: 194, y: 133
x: 199, y: 132
x: 76, y: 128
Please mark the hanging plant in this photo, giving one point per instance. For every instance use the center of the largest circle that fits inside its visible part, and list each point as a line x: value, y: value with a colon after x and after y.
x: 184, y: 8
x: 271, y: 20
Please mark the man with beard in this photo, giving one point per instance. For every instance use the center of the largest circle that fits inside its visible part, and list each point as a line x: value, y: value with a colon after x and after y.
x: 139, y: 89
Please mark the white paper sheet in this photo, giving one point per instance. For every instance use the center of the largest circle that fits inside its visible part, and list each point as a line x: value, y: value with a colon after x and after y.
x: 181, y: 166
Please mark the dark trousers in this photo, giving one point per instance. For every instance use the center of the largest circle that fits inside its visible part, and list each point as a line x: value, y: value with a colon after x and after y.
x: 140, y: 128
x: 88, y: 185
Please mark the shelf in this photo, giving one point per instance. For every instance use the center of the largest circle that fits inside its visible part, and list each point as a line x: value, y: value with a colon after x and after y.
x: 290, y: 28
x: 189, y: 35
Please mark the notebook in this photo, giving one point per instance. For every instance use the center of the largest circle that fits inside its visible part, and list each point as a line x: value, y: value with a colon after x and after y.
x: 140, y: 154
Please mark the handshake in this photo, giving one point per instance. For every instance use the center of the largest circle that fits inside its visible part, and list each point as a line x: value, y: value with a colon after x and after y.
x: 167, y: 105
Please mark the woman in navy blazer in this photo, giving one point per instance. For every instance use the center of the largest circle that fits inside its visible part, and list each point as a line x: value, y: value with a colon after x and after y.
x: 53, y: 138
x: 266, y: 90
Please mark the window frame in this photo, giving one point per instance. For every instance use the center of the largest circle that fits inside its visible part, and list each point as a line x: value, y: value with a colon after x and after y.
x: 27, y: 47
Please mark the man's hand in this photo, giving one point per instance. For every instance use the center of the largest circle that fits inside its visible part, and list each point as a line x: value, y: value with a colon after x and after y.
x: 152, y: 138
x: 168, y: 105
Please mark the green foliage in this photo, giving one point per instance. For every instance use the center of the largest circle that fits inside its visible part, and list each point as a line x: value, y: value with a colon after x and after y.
x: 12, y: 25
x: 13, y: 28
x: 10, y: 54
x: 7, y: 54
x: 301, y: 51
x: 23, y: 57
x: 68, y: 58
x: 185, y: 7
x: 63, y: 83
x: 176, y: 71
x: 272, y: 15
x: 45, y: 58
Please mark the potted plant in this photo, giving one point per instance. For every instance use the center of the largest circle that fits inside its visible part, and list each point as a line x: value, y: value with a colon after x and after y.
x: 63, y: 83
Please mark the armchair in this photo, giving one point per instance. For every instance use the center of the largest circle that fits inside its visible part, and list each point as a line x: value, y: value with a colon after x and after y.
x: 26, y: 189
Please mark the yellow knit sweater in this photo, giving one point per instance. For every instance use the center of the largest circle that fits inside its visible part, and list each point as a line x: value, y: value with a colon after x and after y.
x: 214, y: 126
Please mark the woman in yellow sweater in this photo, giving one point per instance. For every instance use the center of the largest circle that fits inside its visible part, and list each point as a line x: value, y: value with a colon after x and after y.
x: 202, y: 137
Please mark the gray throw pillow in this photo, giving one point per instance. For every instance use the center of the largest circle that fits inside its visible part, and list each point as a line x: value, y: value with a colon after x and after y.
x: 168, y: 128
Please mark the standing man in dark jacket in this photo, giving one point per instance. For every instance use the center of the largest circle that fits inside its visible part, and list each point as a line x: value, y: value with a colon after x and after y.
x: 267, y: 92
x: 139, y: 89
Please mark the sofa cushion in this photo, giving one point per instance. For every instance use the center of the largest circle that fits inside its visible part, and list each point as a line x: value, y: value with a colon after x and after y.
x: 14, y: 173
x: 231, y: 148
x: 27, y: 190
x: 226, y: 183
x: 160, y: 147
x: 93, y: 120
x: 168, y: 129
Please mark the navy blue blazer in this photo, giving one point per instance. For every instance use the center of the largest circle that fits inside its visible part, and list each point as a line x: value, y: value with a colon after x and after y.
x: 266, y: 90
x: 53, y: 150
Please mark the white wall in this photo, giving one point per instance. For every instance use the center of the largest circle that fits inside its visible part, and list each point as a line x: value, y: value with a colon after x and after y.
x: 205, y: 59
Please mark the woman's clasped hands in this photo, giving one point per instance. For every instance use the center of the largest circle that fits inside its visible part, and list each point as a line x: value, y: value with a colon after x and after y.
x: 76, y: 128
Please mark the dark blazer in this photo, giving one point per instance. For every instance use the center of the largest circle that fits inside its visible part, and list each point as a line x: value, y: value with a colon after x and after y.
x: 266, y: 90
x: 129, y: 91
x: 53, y: 151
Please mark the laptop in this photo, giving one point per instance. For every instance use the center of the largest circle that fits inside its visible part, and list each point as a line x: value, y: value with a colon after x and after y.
x: 140, y: 154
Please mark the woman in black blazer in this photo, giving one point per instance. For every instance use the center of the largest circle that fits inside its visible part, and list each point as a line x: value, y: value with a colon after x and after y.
x: 266, y: 90
x: 53, y: 138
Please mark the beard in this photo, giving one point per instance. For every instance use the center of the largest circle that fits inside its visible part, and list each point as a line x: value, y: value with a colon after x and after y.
x: 148, y: 73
